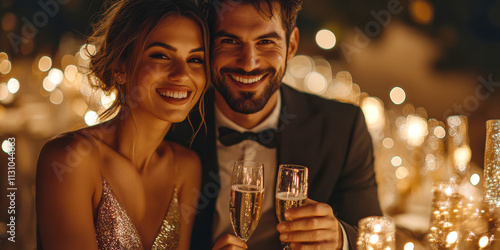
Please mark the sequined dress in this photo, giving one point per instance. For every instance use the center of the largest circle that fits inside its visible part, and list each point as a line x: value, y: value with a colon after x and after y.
x: 115, y: 229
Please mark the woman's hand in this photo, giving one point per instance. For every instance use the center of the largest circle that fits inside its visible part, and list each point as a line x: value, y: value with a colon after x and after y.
x: 228, y: 241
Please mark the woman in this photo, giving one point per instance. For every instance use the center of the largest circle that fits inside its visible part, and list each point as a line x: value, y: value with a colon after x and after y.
x: 119, y: 185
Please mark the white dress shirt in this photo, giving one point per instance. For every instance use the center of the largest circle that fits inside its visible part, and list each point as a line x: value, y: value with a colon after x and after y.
x: 252, y: 151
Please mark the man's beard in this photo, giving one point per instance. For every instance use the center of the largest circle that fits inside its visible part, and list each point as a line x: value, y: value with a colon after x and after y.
x: 247, y: 102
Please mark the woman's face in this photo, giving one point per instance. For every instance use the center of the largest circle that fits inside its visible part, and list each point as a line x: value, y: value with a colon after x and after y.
x: 171, y: 75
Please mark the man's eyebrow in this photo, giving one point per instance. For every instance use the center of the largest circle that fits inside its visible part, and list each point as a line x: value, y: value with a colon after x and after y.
x: 272, y: 34
x: 169, y: 47
x: 222, y: 33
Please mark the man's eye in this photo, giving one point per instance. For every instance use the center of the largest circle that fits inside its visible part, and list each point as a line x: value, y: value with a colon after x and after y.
x: 266, y: 42
x: 228, y: 41
x: 196, y: 60
x: 159, y: 56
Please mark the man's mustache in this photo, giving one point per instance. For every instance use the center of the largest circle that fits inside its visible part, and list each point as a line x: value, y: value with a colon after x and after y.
x: 242, y: 72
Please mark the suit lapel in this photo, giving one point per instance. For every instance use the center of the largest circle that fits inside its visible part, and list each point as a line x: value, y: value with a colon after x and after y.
x: 300, y: 130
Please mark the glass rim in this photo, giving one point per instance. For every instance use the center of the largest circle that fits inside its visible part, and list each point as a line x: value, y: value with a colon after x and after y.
x: 292, y: 166
x: 249, y: 164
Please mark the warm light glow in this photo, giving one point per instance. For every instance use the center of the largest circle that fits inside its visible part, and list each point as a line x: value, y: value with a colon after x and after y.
x: 452, y: 237
x: 388, y: 142
x: 87, y: 50
x: 416, y: 130
x: 421, y: 11
x: 6, y: 146
x: 45, y: 63
x: 13, y: 85
x: 48, y: 84
x: 454, y: 121
x: 439, y: 132
x: 377, y: 228
x: 107, y: 101
x: 448, y: 191
x: 409, y: 246
x: 70, y: 72
x: 374, y: 239
x: 474, y: 179
x: 4, y: 56
x: 315, y: 82
x: 462, y: 156
x: 56, y: 76
x: 374, y: 112
x: 4, y: 91
x: 402, y: 172
x: 326, y: 39
x: 5, y: 67
x: 91, y: 118
x: 56, y: 97
x: 483, y: 241
x: 397, y: 95
x: 300, y: 66
x: 396, y: 161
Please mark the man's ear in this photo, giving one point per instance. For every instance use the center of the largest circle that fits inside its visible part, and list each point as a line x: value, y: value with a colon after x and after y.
x: 293, y: 43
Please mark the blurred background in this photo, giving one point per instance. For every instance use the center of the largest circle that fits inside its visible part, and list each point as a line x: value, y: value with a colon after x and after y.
x: 425, y: 72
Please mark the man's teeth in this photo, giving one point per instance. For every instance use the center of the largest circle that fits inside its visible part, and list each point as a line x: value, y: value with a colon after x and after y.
x: 245, y: 80
x: 174, y: 94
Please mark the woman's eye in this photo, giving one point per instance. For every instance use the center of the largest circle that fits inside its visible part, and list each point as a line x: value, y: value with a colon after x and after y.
x: 159, y: 56
x: 196, y: 60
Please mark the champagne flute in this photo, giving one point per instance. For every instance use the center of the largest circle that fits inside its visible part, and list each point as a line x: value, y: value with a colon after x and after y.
x: 291, y: 190
x: 247, y: 197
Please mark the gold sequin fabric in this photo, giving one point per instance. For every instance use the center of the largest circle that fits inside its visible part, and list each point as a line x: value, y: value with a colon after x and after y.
x: 492, y: 164
x: 115, y: 229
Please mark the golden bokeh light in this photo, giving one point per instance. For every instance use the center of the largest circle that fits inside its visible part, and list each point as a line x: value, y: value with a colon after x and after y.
x: 474, y: 179
x: 5, y: 67
x: 70, y: 72
x: 439, y: 132
x: 56, y: 76
x: 421, y: 11
x: 397, y: 95
x: 48, y: 85
x: 326, y: 39
x: 300, y: 66
x: 396, y: 161
x: 388, y: 143
x: 13, y: 85
x: 91, y: 118
x: 45, y: 63
x: 315, y: 83
x: 4, y: 91
x: 56, y: 97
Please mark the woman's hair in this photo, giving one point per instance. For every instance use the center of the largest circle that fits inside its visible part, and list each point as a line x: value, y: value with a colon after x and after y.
x: 120, y: 38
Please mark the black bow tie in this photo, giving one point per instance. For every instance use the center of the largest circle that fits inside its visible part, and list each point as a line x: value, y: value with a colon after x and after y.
x: 268, y: 138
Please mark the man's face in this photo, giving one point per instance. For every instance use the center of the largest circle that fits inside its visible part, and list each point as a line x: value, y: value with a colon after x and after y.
x: 249, y: 57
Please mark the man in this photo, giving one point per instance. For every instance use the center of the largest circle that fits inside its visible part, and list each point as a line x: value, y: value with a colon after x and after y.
x: 251, y: 43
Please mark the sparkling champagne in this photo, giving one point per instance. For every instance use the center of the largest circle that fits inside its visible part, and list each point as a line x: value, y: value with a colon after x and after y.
x: 245, y: 208
x: 285, y: 201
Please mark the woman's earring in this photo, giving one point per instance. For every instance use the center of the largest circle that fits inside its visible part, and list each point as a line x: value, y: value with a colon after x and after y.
x: 120, y: 78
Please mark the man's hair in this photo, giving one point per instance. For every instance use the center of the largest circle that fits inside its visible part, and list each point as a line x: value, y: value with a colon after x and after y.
x: 214, y: 9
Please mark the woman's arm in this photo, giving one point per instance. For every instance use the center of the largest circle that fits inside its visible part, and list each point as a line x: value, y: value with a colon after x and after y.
x: 65, y: 185
x: 189, y: 166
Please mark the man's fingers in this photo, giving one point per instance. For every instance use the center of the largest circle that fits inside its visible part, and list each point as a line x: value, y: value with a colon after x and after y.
x: 310, y: 210
x: 319, y: 246
x: 229, y: 242
x: 308, y: 236
x: 305, y: 224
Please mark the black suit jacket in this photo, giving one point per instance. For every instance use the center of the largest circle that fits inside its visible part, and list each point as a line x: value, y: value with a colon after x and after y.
x: 329, y: 137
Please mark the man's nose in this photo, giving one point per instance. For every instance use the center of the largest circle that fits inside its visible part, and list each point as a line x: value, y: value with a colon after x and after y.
x: 248, y: 59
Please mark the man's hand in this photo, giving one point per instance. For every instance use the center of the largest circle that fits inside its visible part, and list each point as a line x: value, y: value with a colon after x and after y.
x: 228, y: 242
x: 312, y: 226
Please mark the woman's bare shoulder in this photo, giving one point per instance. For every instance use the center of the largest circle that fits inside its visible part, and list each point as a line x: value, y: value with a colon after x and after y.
x: 70, y: 152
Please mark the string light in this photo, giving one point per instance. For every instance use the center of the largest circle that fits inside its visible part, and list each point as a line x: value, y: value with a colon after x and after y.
x: 45, y: 63
x: 397, y: 95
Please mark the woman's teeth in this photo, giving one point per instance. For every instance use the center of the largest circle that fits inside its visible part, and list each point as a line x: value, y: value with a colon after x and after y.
x: 246, y: 80
x: 174, y: 94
